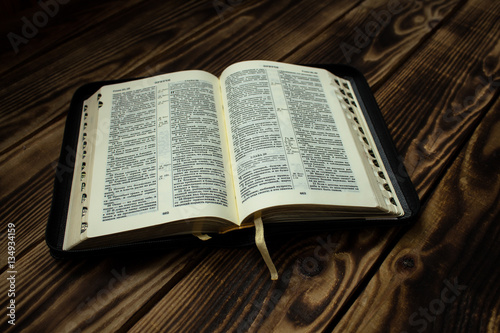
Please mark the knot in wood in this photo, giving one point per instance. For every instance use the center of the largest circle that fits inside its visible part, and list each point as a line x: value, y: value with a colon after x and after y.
x: 406, y: 262
x: 310, y: 266
x: 433, y: 23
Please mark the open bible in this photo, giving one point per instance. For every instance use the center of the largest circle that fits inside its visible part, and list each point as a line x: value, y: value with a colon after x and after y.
x: 189, y: 153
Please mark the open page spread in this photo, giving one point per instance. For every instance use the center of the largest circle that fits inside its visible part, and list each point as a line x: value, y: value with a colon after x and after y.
x: 196, y: 154
x: 289, y: 139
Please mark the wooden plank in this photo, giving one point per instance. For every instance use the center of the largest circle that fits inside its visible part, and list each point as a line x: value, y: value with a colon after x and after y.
x: 310, y: 304
x: 378, y: 36
x: 266, y: 302
x: 276, y: 27
x: 232, y: 289
x: 17, y: 165
x: 64, y: 296
x: 162, y: 38
x: 459, y: 76
x: 28, y: 209
x: 48, y: 26
x: 443, y: 275
x: 21, y: 162
x: 38, y: 95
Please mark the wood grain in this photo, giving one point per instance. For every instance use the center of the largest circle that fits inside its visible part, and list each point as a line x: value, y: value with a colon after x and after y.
x: 23, y: 208
x: 178, y: 37
x: 377, y: 36
x: 234, y: 293
x: 278, y: 317
x: 41, y: 146
x: 57, y: 105
x: 66, y: 296
x: 88, y: 58
x: 431, y: 58
x: 41, y: 149
x: 454, y: 241
x: 65, y: 21
x: 443, y: 115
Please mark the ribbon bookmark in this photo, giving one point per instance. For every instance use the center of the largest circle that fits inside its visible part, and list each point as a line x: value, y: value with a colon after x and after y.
x: 201, y: 236
x: 261, y: 245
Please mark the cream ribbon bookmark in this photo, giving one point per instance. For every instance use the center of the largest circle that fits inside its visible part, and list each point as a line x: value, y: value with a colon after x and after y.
x: 261, y: 245
x: 201, y: 236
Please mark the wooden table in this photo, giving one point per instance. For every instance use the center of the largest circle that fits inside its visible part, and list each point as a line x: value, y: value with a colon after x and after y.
x: 434, y: 68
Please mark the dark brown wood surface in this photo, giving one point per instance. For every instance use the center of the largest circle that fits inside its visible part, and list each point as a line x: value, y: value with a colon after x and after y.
x: 434, y: 66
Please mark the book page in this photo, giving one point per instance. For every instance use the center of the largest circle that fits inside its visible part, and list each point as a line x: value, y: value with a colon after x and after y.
x: 77, y: 219
x: 160, y: 154
x: 289, y: 140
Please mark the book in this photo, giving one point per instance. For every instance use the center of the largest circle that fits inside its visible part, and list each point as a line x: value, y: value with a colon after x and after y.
x: 179, y: 157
